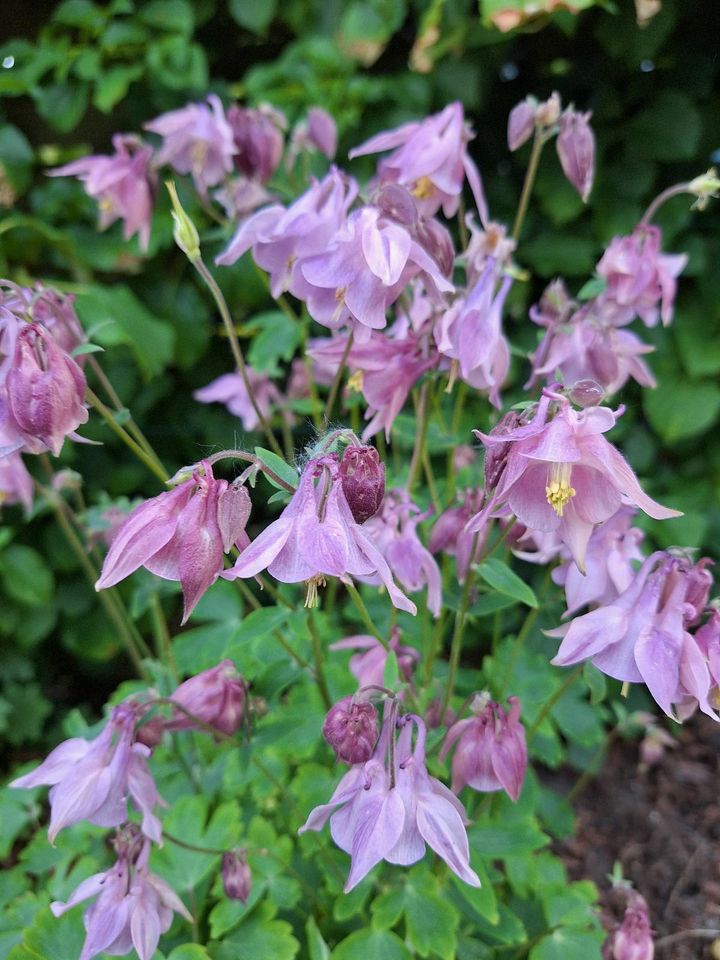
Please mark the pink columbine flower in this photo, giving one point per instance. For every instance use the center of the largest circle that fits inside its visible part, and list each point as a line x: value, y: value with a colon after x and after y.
x: 123, y: 185
x: 612, y: 551
x: 633, y: 938
x: 642, y: 636
x: 16, y: 484
x: 91, y: 779
x: 451, y: 536
x: 490, y: 750
x: 282, y: 238
x: 362, y: 474
x: 368, y: 667
x: 197, y: 139
x: 430, y: 158
x: 529, y: 114
x: 181, y: 535
x: 316, y: 537
x: 366, y: 267
x: 133, y: 908
x: 236, y: 875
x: 54, y: 311
x: 389, y: 809
x: 576, y: 150
x: 351, y: 729
x: 317, y: 132
x: 215, y: 696
x: 561, y: 474
x: 259, y: 140
x: 641, y: 281
x: 229, y: 388
x: 394, y: 531
x: 45, y: 392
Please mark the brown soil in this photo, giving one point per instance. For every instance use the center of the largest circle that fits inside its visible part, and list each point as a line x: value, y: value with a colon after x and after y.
x: 663, y: 825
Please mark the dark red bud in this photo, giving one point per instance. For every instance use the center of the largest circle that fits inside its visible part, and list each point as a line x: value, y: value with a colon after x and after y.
x: 351, y: 729
x: 236, y: 875
x: 150, y: 733
x: 496, y: 455
x: 362, y: 475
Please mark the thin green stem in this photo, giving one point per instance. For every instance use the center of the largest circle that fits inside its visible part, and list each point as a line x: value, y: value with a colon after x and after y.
x: 364, y: 614
x: 335, y: 389
x: 551, y: 701
x: 163, y: 641
x: 530, y: 174
x: 318, y: 659
x: 237, y: 353
x: 456, y: 643
x: 420, y: 434
x: 122, y: 433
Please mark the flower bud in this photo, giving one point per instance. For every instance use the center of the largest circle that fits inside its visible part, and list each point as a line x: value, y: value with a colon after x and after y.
x: 128, y: 842
x: 633, y: 938
x: 184, y: 231
x: 576, y: 150
x: 215, y: 696
x: 236, y: 875
x: 548, y: 112
x: 521, y: 124
x: 351, y: 729
x: 497, y: 454
x: 436, y: 240
x: 322, y: 131
x: 397, y: 203
x: 45, y: 389
x: 362, y: 475
x: 586, y: 393
x: 150, y: 733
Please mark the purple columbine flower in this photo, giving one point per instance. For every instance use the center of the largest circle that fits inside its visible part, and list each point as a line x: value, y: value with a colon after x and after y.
x: 259, y: 140
x: 490, y: 750
x: 362, y: 474
x: 197, y: 139
x: 317, y: 132
x: 236, y: 875
x: 351, y: 729
x: 91, y: 779
x: 430, y: 158
x: 612, y: 551
x: 133, y: 908
x: 45, y: 392
x: 450, y: 534
x: 529, y: 114
x: 394, y: 531
x: 229, y: 388
x: 562, y: 475
x: 642, y: 636
x: 54, y: 311
x: 368, y: 667
x: 215, y: 696
x: 576, y: 150
x: 390, y: 807
x: 16, y: 483
x: 181, y: 535
x: 317, y: 537
x: 633, y: 938
x: 281, y: 239
x: 641, y: 281
x: 123, y: 185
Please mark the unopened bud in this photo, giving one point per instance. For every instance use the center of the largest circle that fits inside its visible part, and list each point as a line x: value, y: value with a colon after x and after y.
x: 184, y: 231
x: 705, y: 186
x: 521, y: 123
x: 362, y: 475
x: 150, y: 733
x: 496, y: 455
x: 548, y: 112
x: 236, y: 875
x: 576, y: 150
x: 633, y: 938
x: 351, y: 729
x: 215, y: 696
x: 586, y: 393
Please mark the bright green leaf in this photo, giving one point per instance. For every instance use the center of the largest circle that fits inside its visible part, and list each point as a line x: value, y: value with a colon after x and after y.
x: 501, y: 578
x: 278, y: 466
x: 375, y: 944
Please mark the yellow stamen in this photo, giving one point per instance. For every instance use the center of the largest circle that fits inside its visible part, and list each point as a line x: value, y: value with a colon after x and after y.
x: 558, y: 490
x: 355, y: 382
x: 311, y: 597
x: 198, y: 155
x: 423, y: 188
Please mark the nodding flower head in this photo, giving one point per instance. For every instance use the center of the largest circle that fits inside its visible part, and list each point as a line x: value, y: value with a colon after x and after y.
x: 362, y: 474
x: 351, y: 729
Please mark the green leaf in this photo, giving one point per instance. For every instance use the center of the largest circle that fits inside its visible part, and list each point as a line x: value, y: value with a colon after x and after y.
x: 278, y: 466
x: 593, y: 288
x: 375, y: 944
x: 80, y: 13
x: 391, y: 673
x: 25, y: 576
x: 16, y: 158
x: 63, y: 105
x: 85, y: 348
x: 255, y: 17
x: 275, y: 337
x: 430, y: 920
x: 501, y: 578
x: 189, y: 951
x: 509, y: 836
x: 682, y: 408
x: 177, y: 64
x: 112, y: 85
x: 126, y: 320
x: 260, y: 938
x: 565, y: 943
x: 651, y: 134
x: 317, y: 948
x: 597, y: 684
x: 173, y: 16
x: 51, y: 938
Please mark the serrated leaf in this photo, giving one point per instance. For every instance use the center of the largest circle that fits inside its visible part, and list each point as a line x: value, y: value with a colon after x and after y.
x: 189, y: 951
x: 565, y: 943
x: 278, y: 466
x: 113, y: 84
x: 255, y: 17
x: 25, y: 576
x: 678, y: 409
x: 260, y: 938
x: 500, y: 577
x: 375, y: 944
x: 275, y: 337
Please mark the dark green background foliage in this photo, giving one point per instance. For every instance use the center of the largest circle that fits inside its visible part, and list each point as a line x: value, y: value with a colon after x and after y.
x: 83, y: 71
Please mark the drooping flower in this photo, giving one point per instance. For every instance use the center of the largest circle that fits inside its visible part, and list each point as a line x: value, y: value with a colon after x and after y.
x: 529, y: 114
x: 216, y: 697
x: 134, y: 907
x: 16, y: 484
x: 317, y: 132
x: 576, y: 149
x: 633, y: 938
x: 561, y: 474
x: 315, y: 537
x: 123, y: 185
x: 368, y: 667
x: 362, y: 474
x: 236, y: 875
x: 45, y: 392
x: 92, y: 779
x: 390, y: 807
x: 229, y: 388
x: 641, y: 281
x: 430, y: 158
x: 394, y: 532
x: 197, y: 139
x: 351, y: 729
x: 181, y: 535
x: 490, y: 750
x: 642, y: 636
x: 259, y: 140
x: 450, y: 534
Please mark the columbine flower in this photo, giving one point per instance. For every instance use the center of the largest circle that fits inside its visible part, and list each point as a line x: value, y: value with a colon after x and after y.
x: 45, y: 392
x: 215, y: 696
x: 450, y: 534
x: 389, y: 808
x: 259, y: 141
x: 430, y: 158
x: 491, y: 753
x: 316, y: 537
x: 236, y: 875
x: 197, y: 139
x: 16, y: 484
x: 351, y: 729
x: 123, y: 185
x: 229, y: 388
x: 369, y: 667
x: 91, y: 779
x: 642, y: 635
x: 394, y: 531
x: 133, y: 908
x: 181, y: 535
x: 562, y: 474
x: 318, y: 132
x: 641, y: 281
x: 576, y: 150
x: 633, y: 938
x: 362, y: 474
